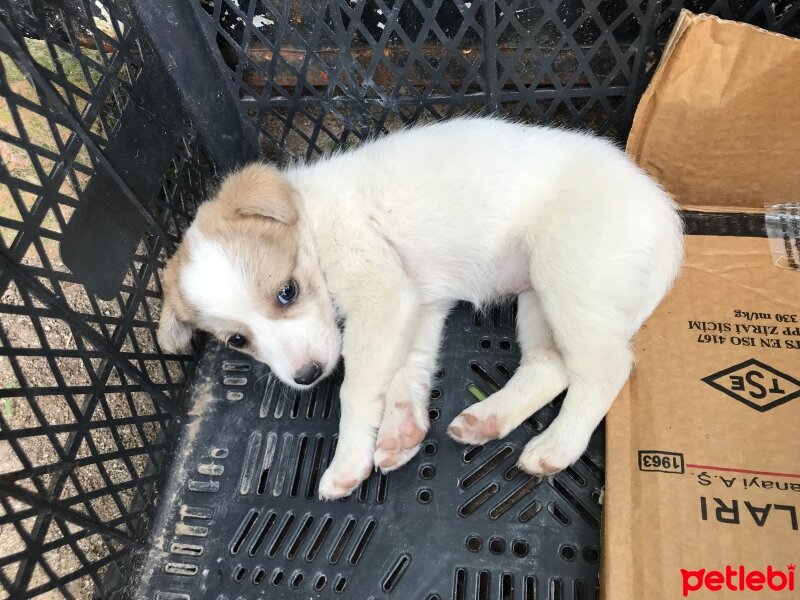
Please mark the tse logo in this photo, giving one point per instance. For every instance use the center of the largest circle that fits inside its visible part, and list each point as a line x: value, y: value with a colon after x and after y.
x: 738, y: 580
x: 755, y: 384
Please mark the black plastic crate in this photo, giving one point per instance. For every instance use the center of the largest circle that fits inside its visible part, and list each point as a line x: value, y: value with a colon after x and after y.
x: 119, y: 479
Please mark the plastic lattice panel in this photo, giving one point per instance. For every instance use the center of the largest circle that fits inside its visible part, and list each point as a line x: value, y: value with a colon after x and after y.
x: 319, y: 75
x: 87, y: 400
x: 242, y: 520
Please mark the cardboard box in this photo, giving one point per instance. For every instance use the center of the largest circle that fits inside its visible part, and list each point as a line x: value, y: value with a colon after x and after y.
x: 702, y: 494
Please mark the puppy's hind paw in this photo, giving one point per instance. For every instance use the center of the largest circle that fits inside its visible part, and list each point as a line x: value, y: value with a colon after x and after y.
x: 551, y: 452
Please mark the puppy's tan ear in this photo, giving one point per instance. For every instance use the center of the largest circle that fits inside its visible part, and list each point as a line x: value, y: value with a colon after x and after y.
x: 174, y: 329
x: 259, y: 190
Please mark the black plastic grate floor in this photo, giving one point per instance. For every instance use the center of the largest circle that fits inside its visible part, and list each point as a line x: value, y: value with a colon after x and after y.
x: 458, y: 522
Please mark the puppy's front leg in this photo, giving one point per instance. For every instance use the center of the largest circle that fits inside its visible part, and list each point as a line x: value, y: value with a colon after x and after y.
x: 377, y: 337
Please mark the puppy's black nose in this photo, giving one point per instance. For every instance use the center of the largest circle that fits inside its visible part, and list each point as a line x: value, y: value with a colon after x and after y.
x: 308, y: 374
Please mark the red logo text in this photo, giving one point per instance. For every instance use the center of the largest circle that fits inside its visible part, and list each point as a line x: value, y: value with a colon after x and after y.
x: 738, y: 580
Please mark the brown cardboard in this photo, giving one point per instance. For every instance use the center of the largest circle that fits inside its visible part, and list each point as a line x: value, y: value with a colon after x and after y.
x: 719, y: 125
x: 703, y: 444
x: 653, y: 525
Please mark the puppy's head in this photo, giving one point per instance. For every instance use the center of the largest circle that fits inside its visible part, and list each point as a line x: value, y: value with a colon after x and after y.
x: 242, y: 274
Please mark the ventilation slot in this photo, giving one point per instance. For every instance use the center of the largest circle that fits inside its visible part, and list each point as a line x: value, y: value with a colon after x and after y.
x: 282, y: 465
x: 191, y: 530
x: 281, y: 536
x: 511, y: 473
x: 266, y: 464
x: 581, y: 592
x: 593, y: 468
x: 361, y: 544
x: 482, y: 593
x: 319, y: 539
x: 471, y: 453
x: 477, y: 392
x: 535, y: 424
x: 277, y: 577
x: 300, y: 537
x: 319, y: 582
x: 243, y: 531
x: 383, y: 486
x: 530, y: 511
x: 344, y: 537
x: 298, y: 469
x: 262, y: 534
x: 530, y: 588
x: 363, y: 490
x: 184, y: 569
x: 316, y: 468
x: 312, y: 403
x: 250, y: 459
x: 295, y: 410
x: 186, y: 549
x: 339, y: 584
x: 507, y: 587
x: 575, y: 503
x: 172, y: 596
x: 196, y: 512
x: 236, y: 367
x: 575, y: 476
x: 460, y: 585
x: 558, y: 514
x: 259, y: 576
x: 504, y: 370
x: 266, y: 399
x: 556, y: 589
x: 327, y: 407
x: 395, y: 573
x: 478, y: 370
x: 517, y: 495
x: 479, y: 499
x: 297, y: 580
x: 238, y: 572
x: 496, y: 459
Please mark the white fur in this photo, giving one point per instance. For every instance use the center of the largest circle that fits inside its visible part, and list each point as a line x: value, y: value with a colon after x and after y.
x: 474, y: 209
x: 214, y: 283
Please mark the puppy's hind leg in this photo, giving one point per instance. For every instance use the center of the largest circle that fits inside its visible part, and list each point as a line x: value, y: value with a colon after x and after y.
x: 591, y: 302
x: 405, y: 419
x: 541, y: 376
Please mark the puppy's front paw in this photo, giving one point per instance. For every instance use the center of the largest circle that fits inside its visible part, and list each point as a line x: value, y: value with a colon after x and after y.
x: 552, y: 451
x: 403, y: 428
x: 342, y: 477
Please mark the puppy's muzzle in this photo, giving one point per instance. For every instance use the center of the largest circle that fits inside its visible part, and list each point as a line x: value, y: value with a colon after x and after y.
x: 308, y: 374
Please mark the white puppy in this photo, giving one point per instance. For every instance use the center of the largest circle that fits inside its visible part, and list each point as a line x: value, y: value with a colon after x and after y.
x: 390, y: 235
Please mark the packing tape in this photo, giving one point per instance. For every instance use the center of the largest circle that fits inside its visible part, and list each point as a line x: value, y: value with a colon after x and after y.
x: 783, y: 230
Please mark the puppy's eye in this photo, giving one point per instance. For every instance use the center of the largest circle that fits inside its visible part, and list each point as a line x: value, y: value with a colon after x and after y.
x: 237, y: 340
x: 288, y: 293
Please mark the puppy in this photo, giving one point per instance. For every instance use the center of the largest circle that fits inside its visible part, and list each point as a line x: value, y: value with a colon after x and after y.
x: 390, y: 235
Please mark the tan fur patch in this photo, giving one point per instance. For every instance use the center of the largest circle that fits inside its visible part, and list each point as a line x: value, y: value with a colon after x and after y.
x: 259, y: 190
x: 252, y: 216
